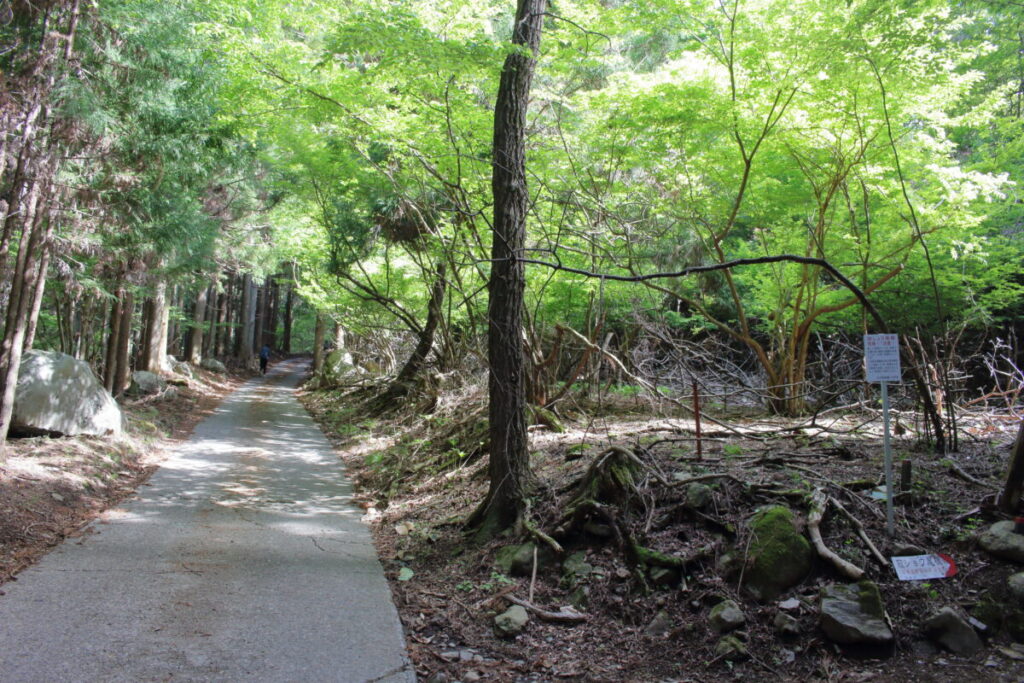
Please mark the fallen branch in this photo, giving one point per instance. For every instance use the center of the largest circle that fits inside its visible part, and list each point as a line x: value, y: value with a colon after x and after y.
x: 566, y: 615
x: 819, y: 500
x: 860, y: 531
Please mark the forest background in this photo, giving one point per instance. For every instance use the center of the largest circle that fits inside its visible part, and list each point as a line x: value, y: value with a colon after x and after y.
x: 711, y: 187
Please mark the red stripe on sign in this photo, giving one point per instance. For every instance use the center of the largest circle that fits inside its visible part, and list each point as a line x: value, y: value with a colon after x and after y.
x: 952, y: 565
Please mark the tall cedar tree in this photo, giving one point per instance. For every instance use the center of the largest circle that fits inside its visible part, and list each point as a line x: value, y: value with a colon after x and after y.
x: 509, y: 457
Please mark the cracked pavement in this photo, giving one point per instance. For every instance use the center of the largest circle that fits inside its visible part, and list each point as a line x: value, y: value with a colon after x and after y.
x: 242, y: 560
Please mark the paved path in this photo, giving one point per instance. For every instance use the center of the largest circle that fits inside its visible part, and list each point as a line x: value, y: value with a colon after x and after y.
x: 243, y: 561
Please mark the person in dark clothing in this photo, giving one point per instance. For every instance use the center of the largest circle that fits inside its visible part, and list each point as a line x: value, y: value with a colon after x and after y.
x: 264, y: 357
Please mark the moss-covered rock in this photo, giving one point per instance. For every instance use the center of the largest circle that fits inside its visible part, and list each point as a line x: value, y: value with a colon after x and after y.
x: 778, y: 555
x: 517, y: 560
x: 854, y: 614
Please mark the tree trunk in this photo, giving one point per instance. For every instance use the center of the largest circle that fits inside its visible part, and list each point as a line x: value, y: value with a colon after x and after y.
x: 110, y: 364
x: 318, y: 344
x: 247, y: 326
x: 273, y: 294
x: 1009, y: 500
x: 289, y: 305
x: 425, y: 343
x: 122, y: 371
x: 153, y: 355
x: 260, y: 319
x: 509, y: 466
x: 37, y: 300
x: 195, y: 346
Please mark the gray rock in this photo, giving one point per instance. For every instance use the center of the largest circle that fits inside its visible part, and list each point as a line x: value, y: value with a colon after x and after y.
x: 1016, y: 585
x: 726, y: 616
x: 780, y: 557
x: 952, y: 632
x: 213, y: 365
x: 699, y: 496
x: 517, y: 560
x: 511, y: 622
x: 180, y: 367
x: 785, y: 625
x: 575, y: 568
x: 57, y: 394
x: 659, y: 626
x: 337, y: 365
x: 1001, y: 541
x: 731, y: 648
x: 854, y: 614
x: 146, y: 383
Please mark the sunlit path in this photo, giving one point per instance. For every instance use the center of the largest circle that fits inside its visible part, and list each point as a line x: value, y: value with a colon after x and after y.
x: 244, y: 560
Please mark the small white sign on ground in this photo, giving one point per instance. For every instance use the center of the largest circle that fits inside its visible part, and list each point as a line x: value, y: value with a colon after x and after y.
x: 882, y: 357
x: 922, y: 567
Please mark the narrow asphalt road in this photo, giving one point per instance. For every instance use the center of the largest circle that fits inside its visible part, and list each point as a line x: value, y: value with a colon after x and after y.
x: 244, y: 560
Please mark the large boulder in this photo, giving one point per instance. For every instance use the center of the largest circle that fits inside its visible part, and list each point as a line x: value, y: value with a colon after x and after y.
x: 146, y: 383
x: 59, y: 395
x: 779, y: 555
x: 1000, y: 540
x: 337, y: 365
x: 213, y: 365
x: 854, y: 614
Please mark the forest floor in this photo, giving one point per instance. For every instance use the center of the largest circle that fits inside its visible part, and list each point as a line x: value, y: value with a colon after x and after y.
x: 420, y: 476
x: 52, y: 488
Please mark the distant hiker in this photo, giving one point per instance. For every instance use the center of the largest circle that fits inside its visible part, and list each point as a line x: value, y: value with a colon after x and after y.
x: 264, y: 357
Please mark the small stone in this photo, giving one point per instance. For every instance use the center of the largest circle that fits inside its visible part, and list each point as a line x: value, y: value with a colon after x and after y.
x: 472, y: 677
x: 450, y: 655
x: 1003, y: 542
x: 57, y: 497
x: 511, y: 622
x: 699, y: 496
x: 731, y: 648
x: 854, y: 614
x: 726, y: 616
x: 659, y: 626
x: 951, y: 631
x: 790, y: 605
x: 664, y: 577
x: 1016, y: 584
x: 438, y: 677
x: 786, y: 625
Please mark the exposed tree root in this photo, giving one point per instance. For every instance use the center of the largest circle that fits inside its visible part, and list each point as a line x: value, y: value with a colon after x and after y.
x: 819, y: 501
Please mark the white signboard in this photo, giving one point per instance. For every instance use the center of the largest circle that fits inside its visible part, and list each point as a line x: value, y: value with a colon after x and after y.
x: 882, y: 356
x: 922, y: 567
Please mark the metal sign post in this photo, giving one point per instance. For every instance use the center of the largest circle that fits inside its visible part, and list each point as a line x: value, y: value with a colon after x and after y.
x: 882, y: 358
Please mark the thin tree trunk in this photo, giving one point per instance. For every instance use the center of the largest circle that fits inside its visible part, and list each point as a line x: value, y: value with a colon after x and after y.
x: 110, y: 364
x: 195, y: 346
x: 419, y: 355
x: 37, y: 300
x: 122, y: 365
x: 289, y: 305
x: 247, y: 328
x: 509, y: 466
x: 318, y: 343
x: 258, y: 322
